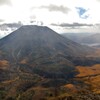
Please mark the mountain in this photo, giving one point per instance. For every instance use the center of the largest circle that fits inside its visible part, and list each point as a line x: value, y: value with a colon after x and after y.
x: 34, y: 59
x: 37, y: 49
x: 32, y: 42
x: 33, y: 37
x: 38, y: 46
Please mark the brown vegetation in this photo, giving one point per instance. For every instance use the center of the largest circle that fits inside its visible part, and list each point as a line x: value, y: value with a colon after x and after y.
x: 4, y: 64
x: 88, y: 70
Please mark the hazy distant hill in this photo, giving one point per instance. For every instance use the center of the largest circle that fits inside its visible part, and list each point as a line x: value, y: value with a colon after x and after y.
x: 95, y: 38
x: 77, y: 37
x: 89, y: 39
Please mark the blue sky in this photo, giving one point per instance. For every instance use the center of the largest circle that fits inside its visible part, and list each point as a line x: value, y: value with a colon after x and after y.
x: 81, y: 11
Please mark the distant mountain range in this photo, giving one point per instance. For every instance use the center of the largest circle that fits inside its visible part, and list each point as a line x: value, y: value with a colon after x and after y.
x: 77, y: 37
x: 90, y: 39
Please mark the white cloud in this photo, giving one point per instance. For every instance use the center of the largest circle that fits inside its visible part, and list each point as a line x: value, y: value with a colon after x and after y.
x: 27, y: 10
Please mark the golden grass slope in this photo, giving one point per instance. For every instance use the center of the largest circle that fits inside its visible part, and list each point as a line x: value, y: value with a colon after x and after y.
x: 91, y: 76
x: 88, y: 70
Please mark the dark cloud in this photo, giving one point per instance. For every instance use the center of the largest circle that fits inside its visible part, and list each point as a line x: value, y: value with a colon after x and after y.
x: 10, y: 25
x: 1, y: 20
x: 74, y: 25
x: 5, y: 2
x: 56, y: 8
x: 97, y: 24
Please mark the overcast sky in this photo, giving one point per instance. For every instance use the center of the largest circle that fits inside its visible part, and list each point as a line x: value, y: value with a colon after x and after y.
x: 61, y: 15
